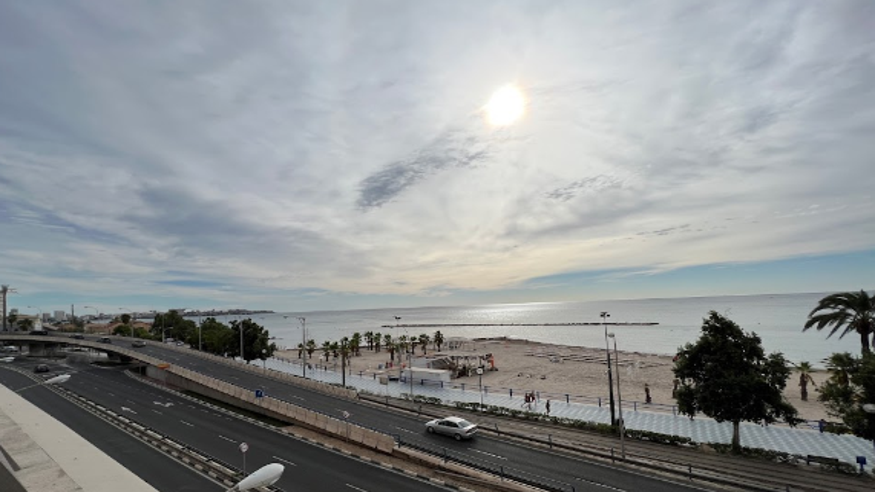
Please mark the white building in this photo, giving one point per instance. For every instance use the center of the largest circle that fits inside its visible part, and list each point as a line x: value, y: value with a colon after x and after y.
x: 60, y: 316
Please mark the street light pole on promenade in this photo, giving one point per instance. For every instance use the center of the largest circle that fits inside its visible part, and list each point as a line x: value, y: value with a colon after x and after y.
x: 604, y: 316
x: 619, y: 400
x: 303, y: 345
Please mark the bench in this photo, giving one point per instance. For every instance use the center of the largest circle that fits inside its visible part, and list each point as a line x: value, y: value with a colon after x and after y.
x: 823, y: 460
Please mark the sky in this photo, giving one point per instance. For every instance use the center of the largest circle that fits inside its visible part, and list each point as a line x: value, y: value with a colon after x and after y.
x: 299, y: 155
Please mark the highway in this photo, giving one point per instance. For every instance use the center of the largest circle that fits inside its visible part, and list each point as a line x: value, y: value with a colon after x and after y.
x: 308, y: 467
x: 154, y: 467
x: 544, y: 466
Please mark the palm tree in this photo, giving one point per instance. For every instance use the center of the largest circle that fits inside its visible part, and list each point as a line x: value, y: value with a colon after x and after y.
x: 387, y: 341
x: 355, y: 344
x: 438, y: 339
x: 311, y: 347
x: 423, y: 340
x: 326, y: 349
x: 378, y: 338
x: 369, y: 339
x: 805, y: 378
x: 855, y: 312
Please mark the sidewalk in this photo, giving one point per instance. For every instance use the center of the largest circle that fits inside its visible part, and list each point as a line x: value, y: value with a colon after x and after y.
x: 44, y: 455
x: 802, y: 441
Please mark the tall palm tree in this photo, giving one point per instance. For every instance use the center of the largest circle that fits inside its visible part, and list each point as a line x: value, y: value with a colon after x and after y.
x: 423, y: 340
x: 438, y: 339
x: 805, y: 378
x: 326, y: 349
x: 378, y: 338
x: 851, y: 311
x: 369, y: 339
x: 355, y: 344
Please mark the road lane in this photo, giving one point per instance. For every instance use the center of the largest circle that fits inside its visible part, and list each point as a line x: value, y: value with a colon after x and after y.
x: 152, y: 466
x: 315, y: 468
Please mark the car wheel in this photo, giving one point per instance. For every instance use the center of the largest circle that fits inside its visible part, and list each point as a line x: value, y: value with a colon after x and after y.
x: 430, y: 430
x: 458, y: 437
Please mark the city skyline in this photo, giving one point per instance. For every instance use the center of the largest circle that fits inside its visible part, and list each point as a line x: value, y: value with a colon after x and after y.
x: 300, y: 156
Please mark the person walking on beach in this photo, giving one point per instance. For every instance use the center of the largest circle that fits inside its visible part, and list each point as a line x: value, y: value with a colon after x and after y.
x: 547, y: 407
x: 647, y: 398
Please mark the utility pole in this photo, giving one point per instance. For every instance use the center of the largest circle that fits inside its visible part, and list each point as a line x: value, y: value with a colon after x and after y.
x: 605, y: 315
x: 304, y: 345
x: 4, y: 290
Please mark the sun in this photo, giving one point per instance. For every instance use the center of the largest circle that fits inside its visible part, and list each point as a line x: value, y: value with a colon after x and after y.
x: 505, y: 106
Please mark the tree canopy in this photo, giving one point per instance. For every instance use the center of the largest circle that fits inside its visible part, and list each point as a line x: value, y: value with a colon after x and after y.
x: 851, y: 312
x: 850, y: 386
x: 727, y: 376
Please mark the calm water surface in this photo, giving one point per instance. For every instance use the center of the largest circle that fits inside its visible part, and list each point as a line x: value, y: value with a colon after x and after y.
x: 777, y: 319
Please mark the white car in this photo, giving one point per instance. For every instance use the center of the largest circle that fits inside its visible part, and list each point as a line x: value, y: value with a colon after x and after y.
x: 457, y: 427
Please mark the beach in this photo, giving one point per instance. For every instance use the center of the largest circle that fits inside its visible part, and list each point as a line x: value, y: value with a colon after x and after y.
x: 554, y: 371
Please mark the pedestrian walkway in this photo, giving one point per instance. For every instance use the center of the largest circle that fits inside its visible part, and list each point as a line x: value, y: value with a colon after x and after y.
x: 802, y: 441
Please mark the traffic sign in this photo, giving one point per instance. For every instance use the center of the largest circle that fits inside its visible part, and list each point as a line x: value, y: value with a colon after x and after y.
x: 259, y: 393
x: 244, y: 447
x: 345, y: 415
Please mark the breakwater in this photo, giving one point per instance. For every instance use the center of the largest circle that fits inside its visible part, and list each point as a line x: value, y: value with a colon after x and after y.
x: 584, y: 323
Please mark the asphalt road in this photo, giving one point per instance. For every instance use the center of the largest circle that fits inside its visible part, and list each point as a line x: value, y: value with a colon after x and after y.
x: 536, y: 464
x: 155, y: 468
x: 308, y: 467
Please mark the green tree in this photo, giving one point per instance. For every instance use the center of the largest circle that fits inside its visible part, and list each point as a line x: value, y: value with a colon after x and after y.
x: 727, y: 376
x: 11, y: 319
x: 378, y: 340
x: 122, y: 330
x: 390, y: 345
x: 438, y: 340
x: 26, y: 324
x: 851, y: 385
x: 256, y: 341
x: 311, y: 347
x: 846, y: 311
x: 423, y: 341
x: 125, y: 319
x: 326, y: 349
x: 173, y: 325
x: 355, y: 344
x: 369, y: 339
x: 217, y: 337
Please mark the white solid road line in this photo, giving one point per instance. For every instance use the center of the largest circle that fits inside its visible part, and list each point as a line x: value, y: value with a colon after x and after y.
x: 186, y: 423
x: 227, y: 439
x: 356, y: 488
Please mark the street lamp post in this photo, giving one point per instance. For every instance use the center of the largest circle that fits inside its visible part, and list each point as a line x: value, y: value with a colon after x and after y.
x: 240, y: 326
x: 264, y: 476
x: 480, y: 373
x: 409, y: 356
x: 96, y: 313
x: 199, y: 338
x: 55, y: 380
x: 303, y: 345
x: 619, y: 400
x: 604, y: 316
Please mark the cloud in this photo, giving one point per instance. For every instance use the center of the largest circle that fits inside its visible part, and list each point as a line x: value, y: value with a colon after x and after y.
x: 317, y: 154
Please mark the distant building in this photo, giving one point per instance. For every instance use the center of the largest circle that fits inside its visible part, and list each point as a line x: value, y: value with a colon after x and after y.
x: 13, y: 311
x: 45, y: 317
x: 60, y: 316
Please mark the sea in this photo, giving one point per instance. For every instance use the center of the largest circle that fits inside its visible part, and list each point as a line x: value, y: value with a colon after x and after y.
x: 777, y: 319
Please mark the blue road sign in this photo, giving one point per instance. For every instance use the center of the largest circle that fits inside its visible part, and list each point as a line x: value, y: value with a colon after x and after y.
x: 259, y: 393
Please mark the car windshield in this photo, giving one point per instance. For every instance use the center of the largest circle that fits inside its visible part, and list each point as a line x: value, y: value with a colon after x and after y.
x: 464, y: 423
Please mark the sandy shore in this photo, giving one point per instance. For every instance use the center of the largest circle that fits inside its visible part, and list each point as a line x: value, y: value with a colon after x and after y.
x: 557, y: 370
